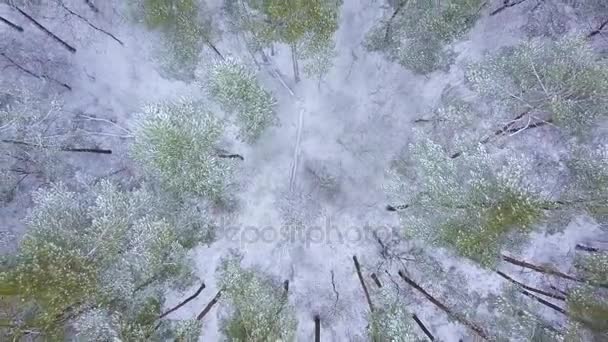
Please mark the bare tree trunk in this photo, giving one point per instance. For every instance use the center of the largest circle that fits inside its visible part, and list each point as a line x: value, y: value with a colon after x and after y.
x: 317, y: 328
x: 550, y: 271
x: 294, y: 60
x: 45, y: 30
x: 90, y: 24
x: 65, y: 149
x: 11, y: 24
x: 523, y: 286
x: 31, y: 73
x: 544, y: 302
x: 426, y: 331
x: 507, y: 4
x: 358, y: 268
x: 200, y: 289
x: 445, y: 309
x: 376, y: 280
x: 209, y: 306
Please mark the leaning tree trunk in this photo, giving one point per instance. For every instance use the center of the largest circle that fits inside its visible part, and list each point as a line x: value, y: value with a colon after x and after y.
x: 294, y: 62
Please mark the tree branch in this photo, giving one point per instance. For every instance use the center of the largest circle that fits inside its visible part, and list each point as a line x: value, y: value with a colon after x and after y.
x: 12, y: 25
x: 45, y: 30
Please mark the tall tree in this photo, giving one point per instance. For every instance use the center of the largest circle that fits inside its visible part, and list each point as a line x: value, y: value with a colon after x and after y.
x: 97, y: 262
x: 306, y: 26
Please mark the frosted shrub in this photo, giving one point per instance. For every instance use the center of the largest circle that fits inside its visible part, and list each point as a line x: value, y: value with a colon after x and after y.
x: 176, y: 142
x: 390, y: 321
x: 237, y: 90
x: 97, y: 260
x: 260, y: 310
x: 466, y: 205
x: 415, y: 33
x: 562, y: 81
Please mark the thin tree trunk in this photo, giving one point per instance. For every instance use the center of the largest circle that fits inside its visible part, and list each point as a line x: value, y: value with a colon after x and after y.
x: 231, y: 156
x: 317, y: 328
x: 358, y: 268
x: 31, y: 73
x: 544, y: 302
x: 214, y: 48
x: 532, y: 289
x: 11, y: 24
x: 200, y: 289
x: 45, y: 30
x: 445, y: 309
x: 397, y: 207
x: 209, y: 306
x: 65, y: 149
x: 548, y: 270
x: 294, y: 61
x: 426, y: 331
x: 286, y: 286
x: 90, y: 24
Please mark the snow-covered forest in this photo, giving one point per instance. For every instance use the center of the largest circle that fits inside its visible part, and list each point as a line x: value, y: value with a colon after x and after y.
x: 304, y: 170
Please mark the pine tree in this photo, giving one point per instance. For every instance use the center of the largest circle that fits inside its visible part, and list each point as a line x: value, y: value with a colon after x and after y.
x: 176, y: 142
x: 415, y: 33
x: 306, y: 26
x: 236, y: 89
x: 186, y: 26
x: 561, y: 81
x: 259, y: 308
x: 98, y: 261
x: 464, y: 203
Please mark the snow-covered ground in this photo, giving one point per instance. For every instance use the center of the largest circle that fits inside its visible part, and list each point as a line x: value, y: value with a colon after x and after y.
x: 351, y: 125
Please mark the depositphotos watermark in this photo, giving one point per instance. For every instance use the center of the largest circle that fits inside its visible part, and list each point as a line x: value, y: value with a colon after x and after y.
x: 307, y: 235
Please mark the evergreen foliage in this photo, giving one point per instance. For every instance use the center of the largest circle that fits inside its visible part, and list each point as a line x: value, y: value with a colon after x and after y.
x: 97, y: 261
x: 186, y: 27
x: 390, y: 321
x: 307, y: 26
x: 176, y: 143
x: 562, y: 81
x: 260, y: 309
x: 415, y: 33
x: 236, y: 89
x: 465, y: 204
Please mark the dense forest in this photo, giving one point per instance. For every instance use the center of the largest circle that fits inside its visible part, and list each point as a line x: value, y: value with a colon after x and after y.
x: 304, y: 170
